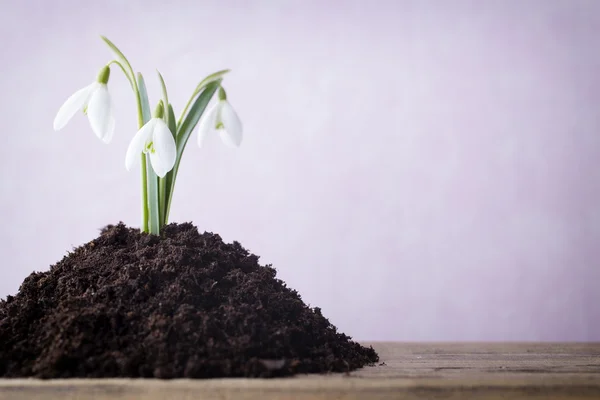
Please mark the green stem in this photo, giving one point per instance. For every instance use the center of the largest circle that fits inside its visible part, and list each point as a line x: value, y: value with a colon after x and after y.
x: 124, y: 71
x: 125, y: 68
x: 170, y: 188
x: 153, y: 199
x: 151, y: 178
x: 145, y: 208
x: 162, y: 187
x: 162, y: 182
x: 166, y: 193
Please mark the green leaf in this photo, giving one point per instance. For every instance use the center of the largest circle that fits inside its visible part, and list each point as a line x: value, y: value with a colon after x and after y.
x: 209, y: 79
x: 172, y: 124
x: 184, y: 131
x: 216, y: 77
x: 143, y: 93
x: 193, y: 116
x: 163, y: 182
x: 168, y: 180
x: 153, y: 202
x: 152, y: 179
x: 165, y: 97
x: 120, y: 54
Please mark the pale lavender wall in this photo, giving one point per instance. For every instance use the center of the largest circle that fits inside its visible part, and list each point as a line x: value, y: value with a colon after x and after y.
x: 421, y: 170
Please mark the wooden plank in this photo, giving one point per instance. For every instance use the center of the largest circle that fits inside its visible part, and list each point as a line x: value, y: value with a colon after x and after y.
x: 410, y: 371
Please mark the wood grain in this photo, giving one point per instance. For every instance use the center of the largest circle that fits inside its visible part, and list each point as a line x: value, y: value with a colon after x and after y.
x: 409, y: 371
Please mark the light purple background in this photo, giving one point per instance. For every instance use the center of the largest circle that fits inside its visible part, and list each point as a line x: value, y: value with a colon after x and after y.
x: 421, y: 170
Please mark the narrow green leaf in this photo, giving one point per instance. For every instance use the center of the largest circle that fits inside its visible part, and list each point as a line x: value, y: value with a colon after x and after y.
x: 147, y: 171
x: 196, y: 111
x: 185, y: 130
x: 120, y: 54
x: 211, y: 78
x: 168, y: 180
x: 143, y: 92
x: 172, y: 124
x: 165, y: 97
x: 162, y: 182
x: 216, y: 77
x: 152, y: 179
x: 114, y: 48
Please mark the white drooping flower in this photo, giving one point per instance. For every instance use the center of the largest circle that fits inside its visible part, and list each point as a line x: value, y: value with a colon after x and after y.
x: 94, y: 100
x: 223, y: 119
x: 153, y: 138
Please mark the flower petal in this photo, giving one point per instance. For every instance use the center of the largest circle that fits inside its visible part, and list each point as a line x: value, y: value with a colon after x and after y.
x: 74, y: 103
x: 207, y: 123
x: 100, y: 114
x: 231, y: 134
x: 165, y: 150
x: 138, y: 143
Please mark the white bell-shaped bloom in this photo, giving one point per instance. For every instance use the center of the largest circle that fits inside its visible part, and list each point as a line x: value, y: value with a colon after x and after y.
x: 95, y: 101
x: 223, y: 119
x: 153, y: 138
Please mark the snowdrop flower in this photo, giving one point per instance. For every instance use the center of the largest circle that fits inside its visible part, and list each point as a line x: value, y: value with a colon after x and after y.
x: 222, y: 118
x: 94, y: 100
x: 156, y: 139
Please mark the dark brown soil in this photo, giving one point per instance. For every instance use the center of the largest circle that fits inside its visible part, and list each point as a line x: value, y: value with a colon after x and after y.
x: 183, y: 305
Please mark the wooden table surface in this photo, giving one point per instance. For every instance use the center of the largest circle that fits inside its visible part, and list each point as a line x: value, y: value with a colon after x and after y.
x: 410, y: 371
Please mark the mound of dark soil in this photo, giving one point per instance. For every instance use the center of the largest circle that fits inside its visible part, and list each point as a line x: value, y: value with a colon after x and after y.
x: 181, y: 305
